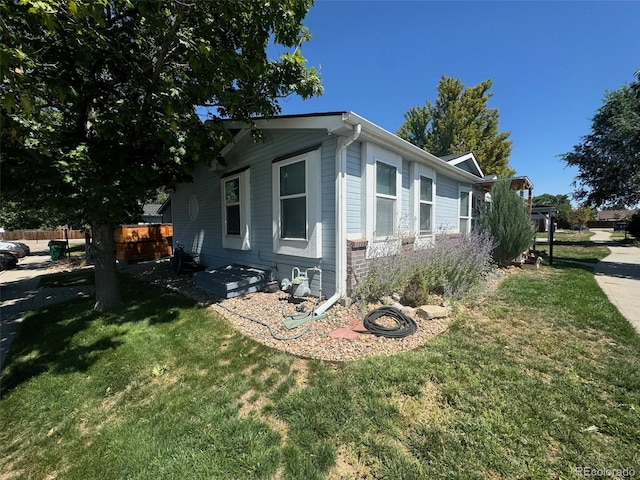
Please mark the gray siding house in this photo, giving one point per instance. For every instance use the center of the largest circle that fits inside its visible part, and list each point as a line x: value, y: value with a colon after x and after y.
x: 321, y: 190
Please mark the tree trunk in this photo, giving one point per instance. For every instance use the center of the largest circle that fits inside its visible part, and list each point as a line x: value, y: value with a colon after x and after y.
x: 103, y: 253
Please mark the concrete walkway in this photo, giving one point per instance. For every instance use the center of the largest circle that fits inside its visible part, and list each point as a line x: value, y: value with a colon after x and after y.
x: 618, y: 275
x: 19, y: 293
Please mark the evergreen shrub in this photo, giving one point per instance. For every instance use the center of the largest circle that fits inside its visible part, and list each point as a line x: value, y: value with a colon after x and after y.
x: 507, y: 220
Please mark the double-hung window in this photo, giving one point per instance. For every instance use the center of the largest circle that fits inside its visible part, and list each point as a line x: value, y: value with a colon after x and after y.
x: 293, y: 200
x: 383, y: 197
x: 297, y: 228
x: 476, y: 205
x: 236, y: 215
x: 465, y: 211
x: 386, y: 198
x: 426, y: 205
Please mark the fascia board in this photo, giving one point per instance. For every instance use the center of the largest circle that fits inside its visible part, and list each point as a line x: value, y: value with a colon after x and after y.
x: 342, y: 123
x: 330, y: 123
x: 375, y: 133
x: 465, y: 158
x: 229, y: 146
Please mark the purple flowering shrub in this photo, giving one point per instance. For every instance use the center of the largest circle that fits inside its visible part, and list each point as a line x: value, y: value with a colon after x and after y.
x: 453, y: 266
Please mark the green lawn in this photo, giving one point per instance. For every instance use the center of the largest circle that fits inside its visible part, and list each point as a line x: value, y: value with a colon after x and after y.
x: 533, y: 382
x: 571, y: 245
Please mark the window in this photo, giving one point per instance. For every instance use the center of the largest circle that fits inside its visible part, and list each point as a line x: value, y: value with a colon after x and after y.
x: 232, y: 206
x: 476, y: 203
x: 422, y: 208
x: 426, y: 205
x: 293, y: 201
x: 385, y: 199
x: 236, y: 214
x: 297, y: 228
x: 465, y: 217
x: 382, y: 197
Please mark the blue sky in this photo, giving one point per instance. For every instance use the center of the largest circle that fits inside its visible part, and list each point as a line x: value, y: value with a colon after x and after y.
x: 551, y: 63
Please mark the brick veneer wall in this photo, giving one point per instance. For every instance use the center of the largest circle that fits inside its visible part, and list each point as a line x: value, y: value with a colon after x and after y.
x: 357, y: 263
x: 407, y: 244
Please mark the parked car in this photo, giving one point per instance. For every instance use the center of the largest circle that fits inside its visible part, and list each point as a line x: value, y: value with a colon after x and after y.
x: 13, y: 248
x: 579, y: 227
x: 24, y: 246
x: 620, y: 227
x: 7, y: 261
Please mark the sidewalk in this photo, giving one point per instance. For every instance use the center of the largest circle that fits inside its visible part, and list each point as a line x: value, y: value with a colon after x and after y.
x: 618, y: 275
x: 19, y: 293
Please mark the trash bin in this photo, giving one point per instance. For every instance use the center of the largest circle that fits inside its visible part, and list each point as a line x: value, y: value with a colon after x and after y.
x: 57, y: 249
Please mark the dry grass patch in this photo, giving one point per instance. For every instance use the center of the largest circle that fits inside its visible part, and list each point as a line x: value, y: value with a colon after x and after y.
x: 351, y: 466
x: 427, y: 406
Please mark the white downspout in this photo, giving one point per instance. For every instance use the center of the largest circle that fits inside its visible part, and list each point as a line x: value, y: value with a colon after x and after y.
x: 341, y: 219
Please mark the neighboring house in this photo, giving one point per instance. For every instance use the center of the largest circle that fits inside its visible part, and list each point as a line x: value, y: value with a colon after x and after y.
x: 150, y: 213
x: 614, y: 215
x: 165, y: 210
x: 322, y: 190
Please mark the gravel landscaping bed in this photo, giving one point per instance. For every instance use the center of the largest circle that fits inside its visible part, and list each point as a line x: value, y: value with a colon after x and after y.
x: 260, y: 316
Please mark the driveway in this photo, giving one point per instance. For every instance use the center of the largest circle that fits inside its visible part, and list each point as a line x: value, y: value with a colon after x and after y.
x: 619, y: 276
x: 19, y: 292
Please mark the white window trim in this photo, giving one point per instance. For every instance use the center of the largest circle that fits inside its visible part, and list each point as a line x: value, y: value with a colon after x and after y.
x: 242, y: 241
x: 462, y: 190
x: 475, y: 214
x: 420, y: 170
x: 374, y: 154
x: 311, y: 247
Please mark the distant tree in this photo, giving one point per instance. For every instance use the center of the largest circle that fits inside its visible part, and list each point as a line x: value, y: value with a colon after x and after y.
x: 16, y: 216
x: 608, y: 158
x: 460, y: 121
x: 415, y: 126
x: 562, y: 204
x: 506, y: 218
x: 99, y: 99
x: 581, y: 215
x: 614, y: 206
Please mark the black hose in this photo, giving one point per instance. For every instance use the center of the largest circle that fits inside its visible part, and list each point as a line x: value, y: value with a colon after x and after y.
x: 405, y: 326
x: 260, y: 322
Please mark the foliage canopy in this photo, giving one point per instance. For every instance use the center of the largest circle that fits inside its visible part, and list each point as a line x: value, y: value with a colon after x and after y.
x: 608, y: 158
x: 100, y: 99
x: 460, y: 121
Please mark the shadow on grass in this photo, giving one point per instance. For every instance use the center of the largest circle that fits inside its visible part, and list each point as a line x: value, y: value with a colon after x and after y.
x: 69, y: 279
x: 70, y: 337
x: 588, y: 261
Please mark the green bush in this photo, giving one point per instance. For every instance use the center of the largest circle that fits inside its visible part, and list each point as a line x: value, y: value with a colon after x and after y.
x: 633, y: 227
x: 507, y: 220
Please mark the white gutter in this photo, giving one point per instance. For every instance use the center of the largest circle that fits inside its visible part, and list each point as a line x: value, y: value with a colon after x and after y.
x: 402, y: 146
x: 341, y: 219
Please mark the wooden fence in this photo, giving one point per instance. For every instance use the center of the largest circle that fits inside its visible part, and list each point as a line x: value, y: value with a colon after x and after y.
x: 602, y: 223
x: 41, y: 235
x: 136, y: 243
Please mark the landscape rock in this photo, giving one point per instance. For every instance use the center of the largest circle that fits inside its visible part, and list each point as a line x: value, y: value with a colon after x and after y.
x: 408, y: 311
x: 431, y: 312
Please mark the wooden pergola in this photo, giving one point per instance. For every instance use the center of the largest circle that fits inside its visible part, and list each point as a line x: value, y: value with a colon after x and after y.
x: 517, y: 183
